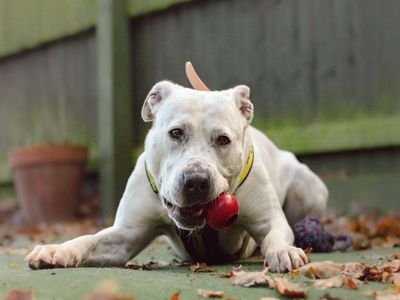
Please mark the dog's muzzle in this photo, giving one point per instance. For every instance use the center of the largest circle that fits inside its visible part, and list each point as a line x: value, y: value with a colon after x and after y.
x: 195, y: 190
x: 189, y: 217
x: 196, y: 185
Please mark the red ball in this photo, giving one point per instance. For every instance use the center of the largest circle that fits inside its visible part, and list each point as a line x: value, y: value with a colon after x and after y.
x: 222, y: 212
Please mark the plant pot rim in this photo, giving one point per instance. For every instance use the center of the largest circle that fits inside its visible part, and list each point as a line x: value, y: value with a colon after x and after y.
x: 47, y: 153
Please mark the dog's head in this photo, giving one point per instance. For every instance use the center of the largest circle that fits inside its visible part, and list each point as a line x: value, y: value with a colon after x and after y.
x: 195, y: 148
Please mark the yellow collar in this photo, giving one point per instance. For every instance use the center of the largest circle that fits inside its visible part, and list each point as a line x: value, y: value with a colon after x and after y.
x: 151, y: 179
x: 243, y: 175
x: 247, y: 167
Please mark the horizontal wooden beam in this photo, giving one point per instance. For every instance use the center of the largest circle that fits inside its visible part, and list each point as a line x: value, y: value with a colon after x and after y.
x: 357, y: 133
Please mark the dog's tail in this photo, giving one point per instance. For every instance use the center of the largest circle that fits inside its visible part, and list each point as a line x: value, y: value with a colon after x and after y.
x: 194, y: 79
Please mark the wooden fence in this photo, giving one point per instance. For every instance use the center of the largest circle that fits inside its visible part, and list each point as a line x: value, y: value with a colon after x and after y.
x: 324, y: 74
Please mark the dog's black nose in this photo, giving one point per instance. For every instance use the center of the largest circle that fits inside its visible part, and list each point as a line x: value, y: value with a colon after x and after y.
x: 196, y: 185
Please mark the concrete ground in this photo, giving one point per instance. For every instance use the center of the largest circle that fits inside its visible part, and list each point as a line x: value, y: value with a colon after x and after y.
x: 163, y: 282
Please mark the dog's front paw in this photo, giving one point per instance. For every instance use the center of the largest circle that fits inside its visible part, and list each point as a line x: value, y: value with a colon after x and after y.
x: 53, y: 256
x: 285, y: 259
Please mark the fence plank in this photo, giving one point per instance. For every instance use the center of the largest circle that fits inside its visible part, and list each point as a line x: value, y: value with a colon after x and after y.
x: 115, y: 105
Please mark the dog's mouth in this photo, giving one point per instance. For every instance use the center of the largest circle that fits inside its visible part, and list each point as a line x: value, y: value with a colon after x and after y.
x: 188, y: 217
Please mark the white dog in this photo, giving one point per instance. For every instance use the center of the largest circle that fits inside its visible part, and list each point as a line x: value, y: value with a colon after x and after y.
x: 199, y: 146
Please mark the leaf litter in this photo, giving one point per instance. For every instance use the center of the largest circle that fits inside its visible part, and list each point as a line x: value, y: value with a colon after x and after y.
x: 264, y: 279
x: 369, y: 230
x: 326, y: 275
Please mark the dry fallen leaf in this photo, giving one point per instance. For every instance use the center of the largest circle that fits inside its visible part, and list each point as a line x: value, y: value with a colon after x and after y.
x: 333, y: 282
x: 388, y: 226
x: 108, y: 291
x: 354, y: 269
x: 249, y: 279
x: 336, y: 282
x: 352, y: 283
x: 175, y: 296
x: 281, y: 284
x: 225, y: 274
x: 289, y: 289
x: 201, y: 267
x: 308, y: 250
x: 269, y: 298
x: 210, y: 294
x: 321, y: 269
x: 19, y: 295
x: 386, y: 295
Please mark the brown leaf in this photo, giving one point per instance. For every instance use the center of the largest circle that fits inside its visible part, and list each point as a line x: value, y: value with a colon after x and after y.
x: 225, y: 274
x: 333, y: 282
x: 354, y: 269
x: 201, y: 267
x: 308, y: 250
x: 392, y: 267
x: 108, y: 291
x: 289, y: 289
x: 352, y: 283
x: 250, y: 279
x: 269, y: 298
x: 394, y: 256
x: 20, y: 295
x: 336, y: 282
x: 388, y: 226
x: 388, y: 242
x: 210, y: 294
x: 386, y: 295
x: 322, y: 269
x: 361, y: 243
x: 175, y: 296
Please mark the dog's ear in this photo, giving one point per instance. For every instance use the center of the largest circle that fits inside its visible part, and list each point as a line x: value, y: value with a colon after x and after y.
x: 241, y: 94
x: 158, y: 92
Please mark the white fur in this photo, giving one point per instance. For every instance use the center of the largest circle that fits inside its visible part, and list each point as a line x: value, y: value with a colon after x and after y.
x: 276, y: 179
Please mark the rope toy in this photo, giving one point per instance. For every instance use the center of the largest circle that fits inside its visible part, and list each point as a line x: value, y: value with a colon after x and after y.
x: 309, y: 232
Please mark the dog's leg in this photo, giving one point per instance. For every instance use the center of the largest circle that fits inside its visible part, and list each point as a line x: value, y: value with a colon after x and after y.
x: 113, y: 246
x: 265, y: 221
x: 136, y: 225
x: 307, y: 196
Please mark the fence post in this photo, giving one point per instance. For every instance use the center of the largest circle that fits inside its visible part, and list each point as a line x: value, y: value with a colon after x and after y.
x: 115, y: 124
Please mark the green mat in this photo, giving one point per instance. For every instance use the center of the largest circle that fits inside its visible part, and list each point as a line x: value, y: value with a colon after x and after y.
x: 162, y: 283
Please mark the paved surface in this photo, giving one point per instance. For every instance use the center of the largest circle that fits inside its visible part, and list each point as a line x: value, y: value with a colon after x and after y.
x: 163, y: 282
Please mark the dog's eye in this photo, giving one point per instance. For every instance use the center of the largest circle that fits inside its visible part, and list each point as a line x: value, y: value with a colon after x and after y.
x: 223, y: 140
x: 176, y: 133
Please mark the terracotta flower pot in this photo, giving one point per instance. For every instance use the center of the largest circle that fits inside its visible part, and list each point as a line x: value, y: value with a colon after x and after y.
x: 48, y: 180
